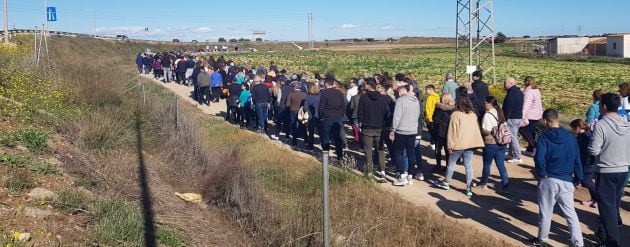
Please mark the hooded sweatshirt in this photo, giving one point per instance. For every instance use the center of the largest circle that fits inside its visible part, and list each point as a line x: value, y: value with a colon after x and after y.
x: 558, y: 156
x: 373, y: 110
x: 610, y: 144
x: 406, y: 115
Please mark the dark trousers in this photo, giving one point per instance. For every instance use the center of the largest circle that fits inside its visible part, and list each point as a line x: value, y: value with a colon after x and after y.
x: 331, y: 130
x: 262, y: 109
x: 216, y: 93
x: 181, y: 77
x: 372, y: 140
x: 139, y: 68
x: 440, y: 145
x: 587, y: 182
x: 608, y: 201
x: 529, y: 133
x: 245, y: 117
x: 314, y: 124
x: 196, y: 93
x: 402, y: 142
x: 432, y: 132
x: 204, y: 95
x: 282, y: 123
x: 297, y: 128
x: 233, y: 114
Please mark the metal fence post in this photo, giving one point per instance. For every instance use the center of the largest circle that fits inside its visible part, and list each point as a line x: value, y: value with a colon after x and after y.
x: 144, y: 97
x: 177, y: 113
x: 325, y: 199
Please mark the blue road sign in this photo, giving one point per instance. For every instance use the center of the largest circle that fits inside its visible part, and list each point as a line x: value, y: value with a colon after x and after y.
x: 51, y: 13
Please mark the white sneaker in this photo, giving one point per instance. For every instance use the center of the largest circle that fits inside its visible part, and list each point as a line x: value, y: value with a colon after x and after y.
x: 402, y: 181
x: 409, y: 180
x: 421, y: 177
x: 433, y: 147
x: 274, y: 137
x: 515, y: 161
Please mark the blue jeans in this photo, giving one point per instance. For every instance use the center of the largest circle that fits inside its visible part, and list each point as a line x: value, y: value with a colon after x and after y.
x: 331, y: 129
x: 167, y: 73
x: 608, y: 202
x: 452, y: 159
x: 262, y: 109
x: 413, y: 170
x: 515, y: 146
x: 497, y: 153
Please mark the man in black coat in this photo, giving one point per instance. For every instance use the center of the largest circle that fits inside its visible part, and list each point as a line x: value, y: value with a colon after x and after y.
x: 480, y: 90
x: 513, y: 110
x: 372, y: 114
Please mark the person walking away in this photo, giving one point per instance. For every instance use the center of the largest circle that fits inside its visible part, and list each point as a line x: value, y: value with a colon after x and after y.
x: 441, y: 120
x: 282, y: 114
x: 403, y: 132
x: 261, y: 99
x: 235, y: 93
x: 190, y: 66
x: 592, y: 114
x: 558, y: 168
x: 372, y: 114
x: 195, y: 82
x: 181, y: 71
x: 532, y: 113
x: 139, y: 62
x: 513, y: 109
x: 610, y: 148
x: 353, y: 111
x: 433, y: 99
x: 167, y: 65
x: 147, y: 63
x: 311, y: 103
x: 204, y: 86
x: 245, y: 106
x: 216, y: 84
x: 463, y: 138
x: 450, y: 85
x: 584, y: 136
x: 157, y: 68
x: 480, y: 89
x: 493, y: 149
x: 331, y: 111
x: 295, y: 100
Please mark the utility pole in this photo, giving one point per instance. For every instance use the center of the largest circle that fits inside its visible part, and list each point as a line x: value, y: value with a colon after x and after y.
x: 6, y: 22
x: 474, y: 52
x: 310, y: 31
x: 579, y: 30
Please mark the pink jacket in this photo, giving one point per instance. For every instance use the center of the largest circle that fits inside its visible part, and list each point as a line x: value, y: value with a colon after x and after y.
x: 532, y: 104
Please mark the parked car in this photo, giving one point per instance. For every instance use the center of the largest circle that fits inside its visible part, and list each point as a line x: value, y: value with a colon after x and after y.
x: 122, y: 37
x: 194, y: 41
x: 176, y: 41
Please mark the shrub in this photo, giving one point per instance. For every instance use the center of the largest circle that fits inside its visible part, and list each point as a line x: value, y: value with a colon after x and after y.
x: 70, y: 201
x: 18, y: 180
x: 107, y: 129
x: 169, y: 237
x: 8, y: 139
x: 14, y: 161
x: 35, y: 140
x: 116, y: 222
x: 86, y: 182
x: 45, y: 169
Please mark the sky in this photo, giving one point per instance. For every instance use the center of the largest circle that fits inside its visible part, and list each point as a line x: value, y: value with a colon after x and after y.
x: 287, y: 19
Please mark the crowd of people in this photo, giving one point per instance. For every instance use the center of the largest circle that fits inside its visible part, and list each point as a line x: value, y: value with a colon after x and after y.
x: 387, y: 114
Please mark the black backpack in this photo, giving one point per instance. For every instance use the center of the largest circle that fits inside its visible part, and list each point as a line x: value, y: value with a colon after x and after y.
x: 442, y: 124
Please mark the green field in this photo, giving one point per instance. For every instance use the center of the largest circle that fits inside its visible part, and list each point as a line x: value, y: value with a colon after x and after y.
x: 566, y: 85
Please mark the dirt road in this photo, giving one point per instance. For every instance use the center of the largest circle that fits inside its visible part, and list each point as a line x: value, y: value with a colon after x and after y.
x: 513, y: 217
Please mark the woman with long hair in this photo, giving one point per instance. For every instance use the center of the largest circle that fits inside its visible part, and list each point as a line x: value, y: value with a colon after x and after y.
x: 463, y: 137
x: 441, y: 120
x: 532, y: 113
x: 492, y: 150
x: 311, y: 104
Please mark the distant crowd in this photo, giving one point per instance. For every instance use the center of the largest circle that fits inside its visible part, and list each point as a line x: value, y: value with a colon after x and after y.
x: 387, y: 114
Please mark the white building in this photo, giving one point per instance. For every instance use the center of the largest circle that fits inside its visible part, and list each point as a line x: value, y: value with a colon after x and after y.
x: 618, y: 45
x: 568, y: 46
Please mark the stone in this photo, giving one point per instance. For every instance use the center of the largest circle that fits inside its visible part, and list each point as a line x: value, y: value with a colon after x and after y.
x: 24, y: 237
x: 21, y: 148
x: 41, y: 194
x: 37, y: 213
x: 53, y: 161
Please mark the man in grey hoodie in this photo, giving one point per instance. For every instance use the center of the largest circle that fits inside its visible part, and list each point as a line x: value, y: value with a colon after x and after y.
x: 609, y: 145
x: 403, y: 132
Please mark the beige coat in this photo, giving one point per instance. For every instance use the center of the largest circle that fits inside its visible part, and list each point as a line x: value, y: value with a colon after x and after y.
x: 463, y: 132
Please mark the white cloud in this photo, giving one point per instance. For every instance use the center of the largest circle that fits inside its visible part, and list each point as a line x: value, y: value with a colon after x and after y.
x: 137, y: 30
x: 349, y: 26
x: 388, y: 27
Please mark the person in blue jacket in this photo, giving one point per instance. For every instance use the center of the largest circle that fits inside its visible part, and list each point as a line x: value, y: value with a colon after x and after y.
x: 139, y: 63
x: 558, y: 167
x: 592, y: 114
x: 216, y: 84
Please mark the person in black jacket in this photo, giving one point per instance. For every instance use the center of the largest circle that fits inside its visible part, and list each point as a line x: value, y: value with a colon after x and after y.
x: 441, y: 119
x: 234, y: 90
x: 167, y: 65
x: 584, y: 136
x: 261, y: 98
x: 372, y: 113
x: 480, y: 90
x: 331, y: 111
x: 513, y: 110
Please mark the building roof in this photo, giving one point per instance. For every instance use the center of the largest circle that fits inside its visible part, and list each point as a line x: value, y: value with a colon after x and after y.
x: 597, y: 41
x: 618, y: 34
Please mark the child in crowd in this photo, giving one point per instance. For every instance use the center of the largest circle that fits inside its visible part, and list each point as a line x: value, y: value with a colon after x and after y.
x: 584, y: 136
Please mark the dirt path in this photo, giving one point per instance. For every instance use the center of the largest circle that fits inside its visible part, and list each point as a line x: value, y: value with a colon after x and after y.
x: 514, y: 216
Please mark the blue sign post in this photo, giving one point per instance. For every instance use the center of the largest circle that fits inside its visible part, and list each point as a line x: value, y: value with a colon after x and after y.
x: 51, y: 13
